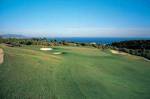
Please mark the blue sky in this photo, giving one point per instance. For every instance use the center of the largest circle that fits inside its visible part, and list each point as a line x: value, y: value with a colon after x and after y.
x: 76, y: 18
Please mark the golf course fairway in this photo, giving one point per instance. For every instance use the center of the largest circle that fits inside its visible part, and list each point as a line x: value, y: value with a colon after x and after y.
x: 77, y: 73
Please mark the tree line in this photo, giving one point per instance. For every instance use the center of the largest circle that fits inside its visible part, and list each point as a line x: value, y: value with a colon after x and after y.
x: 45, y: 42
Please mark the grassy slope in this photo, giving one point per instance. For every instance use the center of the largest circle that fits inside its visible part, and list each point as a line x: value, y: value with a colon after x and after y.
x: 80, y: 73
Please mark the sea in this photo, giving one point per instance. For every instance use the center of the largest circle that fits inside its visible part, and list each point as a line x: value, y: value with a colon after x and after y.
x: 97, y: 40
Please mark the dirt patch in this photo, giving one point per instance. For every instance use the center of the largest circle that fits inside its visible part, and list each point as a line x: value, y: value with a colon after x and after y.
x: 1, y: 56
x: 118, y: 52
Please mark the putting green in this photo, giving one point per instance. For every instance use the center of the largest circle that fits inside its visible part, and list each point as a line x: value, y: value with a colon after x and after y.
x: 78, y: 73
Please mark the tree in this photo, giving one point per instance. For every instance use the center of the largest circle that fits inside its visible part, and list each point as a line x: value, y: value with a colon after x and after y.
x: 28, y: 43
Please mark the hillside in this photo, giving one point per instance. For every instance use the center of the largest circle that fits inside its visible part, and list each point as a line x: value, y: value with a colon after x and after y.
x: 133, y: 44
x: 135, y: 47
x: 77, y: 73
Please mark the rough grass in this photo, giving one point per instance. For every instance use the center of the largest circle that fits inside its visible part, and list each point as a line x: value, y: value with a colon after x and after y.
x: 79, y: 73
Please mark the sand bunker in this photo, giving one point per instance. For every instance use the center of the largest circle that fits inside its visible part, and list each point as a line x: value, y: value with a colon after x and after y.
x: 118, y: 52
x: 1, y: 56
x: 146, y: 59
x: 57, y: 53
x: 46, y: 49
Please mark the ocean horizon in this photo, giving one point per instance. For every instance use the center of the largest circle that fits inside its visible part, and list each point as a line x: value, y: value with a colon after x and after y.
x: 97, y: 40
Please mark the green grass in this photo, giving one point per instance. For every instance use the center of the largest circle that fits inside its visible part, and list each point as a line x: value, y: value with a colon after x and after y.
x: 79, y: 73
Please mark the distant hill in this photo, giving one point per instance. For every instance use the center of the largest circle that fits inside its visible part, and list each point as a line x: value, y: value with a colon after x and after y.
x: 12, y: 36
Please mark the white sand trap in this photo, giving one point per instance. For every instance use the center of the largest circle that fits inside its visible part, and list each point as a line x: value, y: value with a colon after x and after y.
x: 117, y: 52
x: 146, y: 59
x: 57, y: 53
x: 1, y: 56
x: 46, y: 49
